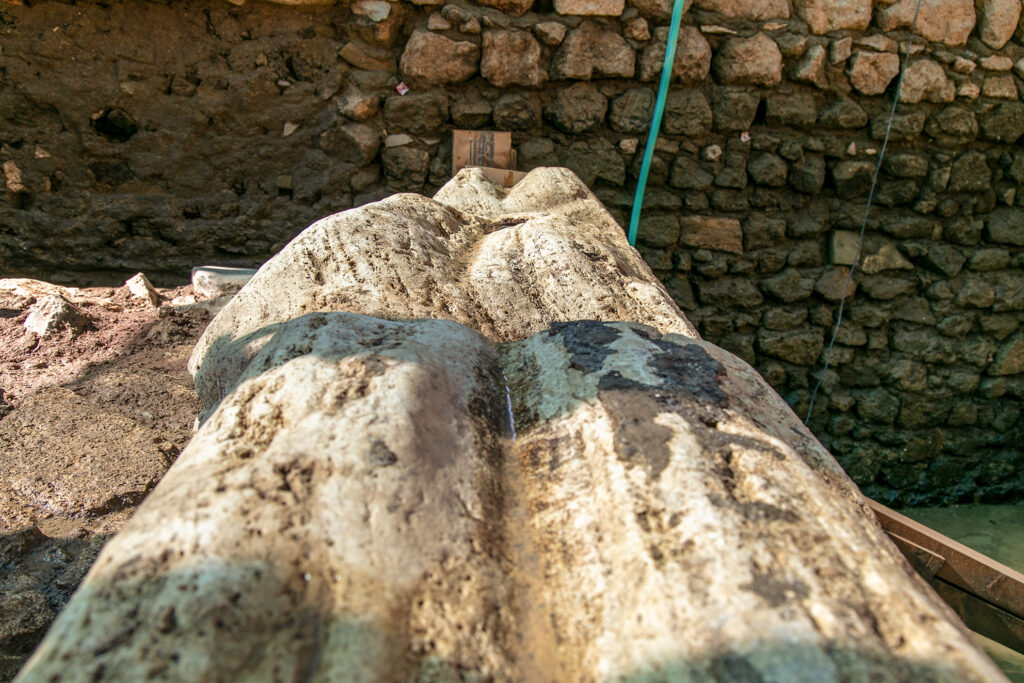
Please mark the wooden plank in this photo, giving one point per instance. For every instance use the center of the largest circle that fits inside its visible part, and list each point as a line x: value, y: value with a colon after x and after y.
x: 983, y: 617
x: 924, y: 561
x: 963, y: 567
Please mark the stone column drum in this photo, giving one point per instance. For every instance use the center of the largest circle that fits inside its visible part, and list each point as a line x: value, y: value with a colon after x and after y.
x: 472, y: 438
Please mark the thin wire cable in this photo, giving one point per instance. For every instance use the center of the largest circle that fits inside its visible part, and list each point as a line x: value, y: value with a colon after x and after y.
x: 867, y: 210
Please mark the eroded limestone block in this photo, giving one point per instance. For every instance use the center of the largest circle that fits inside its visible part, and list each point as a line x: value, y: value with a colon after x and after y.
x: 504, y: 262
x: 655, y: 466
x: 333, y: 520
x: 371, y: 502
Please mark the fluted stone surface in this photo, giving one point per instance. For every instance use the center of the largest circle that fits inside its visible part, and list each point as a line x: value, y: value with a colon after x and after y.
x: 546, y: 498
x: 506, y: 263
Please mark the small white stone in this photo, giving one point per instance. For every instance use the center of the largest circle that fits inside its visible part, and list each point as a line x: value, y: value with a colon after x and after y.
x: 289, y: 128
x: 715, y: 29
x: 775, y: 25
x: 852, y: 149
x: 12, y: 176
x: 141, y: 288
x: 213, y: 282
x: 629, y: 145
x: 374, y: 10
x: 1018, y: 68
x: 41, y: 153
x: 397, y: 140
x: 711, y: 153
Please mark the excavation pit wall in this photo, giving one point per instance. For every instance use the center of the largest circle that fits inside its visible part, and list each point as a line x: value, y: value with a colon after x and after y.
x: 219, y: 136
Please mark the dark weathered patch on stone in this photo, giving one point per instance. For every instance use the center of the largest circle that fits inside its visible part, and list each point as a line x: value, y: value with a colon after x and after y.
x: 507, y: 222
x: 689, y: 382
x: 734, y: 668
x: 774, y: 591
x: 380, y: 455
x: 614, y: 381
x: 587, y: 342
x: 759, y: 511
x: 690, y: 369
x: 638, y: 440
x: 685, y: 370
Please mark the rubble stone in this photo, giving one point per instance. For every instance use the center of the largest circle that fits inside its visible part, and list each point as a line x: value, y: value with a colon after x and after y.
x: 749, y: 61
x: 550, y: 32
x: 750, y: 10
x: 577, y: 109
x: 589, y: 51
x: 825, y: 16
x: 1004, y: 123
x: 511, y: 58
x: 53, y: 314
x: 940, y: 21
x: 631, y: 111
x: 706, y: 232
x: 601, y: 8
x: 692, y: 62
x: 432, y: 58
x: 925, y: 79
x: 997, y: 21
x: 872, y: 72
x: 142, y: 289
x: 811, y: 68
x: 687, y: 113
x: 515, y: 8
x: 416, y: 113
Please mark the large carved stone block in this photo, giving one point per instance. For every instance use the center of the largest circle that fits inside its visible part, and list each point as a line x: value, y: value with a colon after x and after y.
x: 544, y: 497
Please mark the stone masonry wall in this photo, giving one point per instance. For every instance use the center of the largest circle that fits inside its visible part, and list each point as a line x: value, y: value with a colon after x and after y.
x: 158, y: 136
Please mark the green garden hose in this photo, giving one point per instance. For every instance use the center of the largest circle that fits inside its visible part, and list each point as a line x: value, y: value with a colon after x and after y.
x: 659, y: 109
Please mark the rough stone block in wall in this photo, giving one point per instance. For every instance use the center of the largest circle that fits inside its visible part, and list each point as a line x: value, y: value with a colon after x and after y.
x: 601, y: 8
x: 942, y: 21
x: 825, y: 16
x: 753, y: 10
x: 705, y: 232
x: 692, y: 62
x: 511, y: 58
x: 749, y: 61
x: 433, y: 58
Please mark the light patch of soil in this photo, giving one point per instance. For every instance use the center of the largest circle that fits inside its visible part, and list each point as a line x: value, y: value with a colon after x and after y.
x: 90, y: 420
